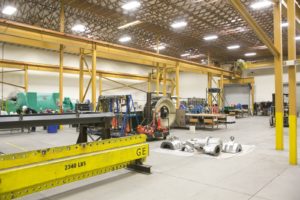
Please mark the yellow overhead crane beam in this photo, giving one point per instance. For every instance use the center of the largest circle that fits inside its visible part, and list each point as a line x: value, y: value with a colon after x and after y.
x: 29, y: 172
x: 17, y: 33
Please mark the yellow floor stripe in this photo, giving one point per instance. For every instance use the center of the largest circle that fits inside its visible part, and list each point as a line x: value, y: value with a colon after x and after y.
x: 16, y: 146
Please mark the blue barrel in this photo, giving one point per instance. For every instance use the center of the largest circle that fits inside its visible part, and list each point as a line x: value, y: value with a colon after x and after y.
x: 52, y: 129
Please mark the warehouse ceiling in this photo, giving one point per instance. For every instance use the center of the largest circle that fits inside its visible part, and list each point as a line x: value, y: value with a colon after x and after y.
x: 101, y: 19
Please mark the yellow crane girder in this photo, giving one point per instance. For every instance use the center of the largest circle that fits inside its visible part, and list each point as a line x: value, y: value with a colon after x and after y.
x: 29, y: 172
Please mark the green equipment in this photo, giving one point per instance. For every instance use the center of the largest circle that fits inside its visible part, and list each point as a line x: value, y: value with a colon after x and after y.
x: 39, y: 102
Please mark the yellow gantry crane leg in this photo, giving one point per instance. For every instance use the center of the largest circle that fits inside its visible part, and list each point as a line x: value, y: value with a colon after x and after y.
x: 29, y: 172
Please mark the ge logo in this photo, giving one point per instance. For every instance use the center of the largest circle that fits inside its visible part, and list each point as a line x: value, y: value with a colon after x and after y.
x: 141, y: 151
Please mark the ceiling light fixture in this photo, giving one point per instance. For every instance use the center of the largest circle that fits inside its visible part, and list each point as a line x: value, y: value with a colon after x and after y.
x: 130, y: 24
x: 78, y: 28
x: 250, y: 54
x: 9, y: 10
x: 160, y: 47
x: 233, y: 47
x: 185, y: 54
x: 132, y: 5
x: 179, y: 24
x: 297, y: 38
x: 261, y: 4
x: 285, y: 24
x: 125, y: 39
x: 210, y: 37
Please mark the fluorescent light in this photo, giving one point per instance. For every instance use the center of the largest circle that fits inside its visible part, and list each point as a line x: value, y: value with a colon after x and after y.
x: 250, y: 54
x: 160, y: 47
x: 233, y: 47
x: 130, y: 24
x: 297, y: 37
x: 132, y: 5
x: 185, y: 54
x: 210, y: 37
x: 125, y: 39
x: 261, y: 4
x: 9, y: 10
x: 78, y: 28
x: 179, y: 24
x: 285, y: 24
x: 196, y: 56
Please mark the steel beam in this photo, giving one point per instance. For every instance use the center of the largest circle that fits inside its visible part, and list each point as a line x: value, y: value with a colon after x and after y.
x: 61, y: 77
x: 279, y: 144
x: 238, y: 5
x: 177, y: 86
x: 291, y: 13
x: 20, y: 173
x: 17, y: 33
x: 94, y: 79
x: 209, y: 85
x: 81, y: 75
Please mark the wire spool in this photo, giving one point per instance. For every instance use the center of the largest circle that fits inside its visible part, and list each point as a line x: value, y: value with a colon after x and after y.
x: 165, y: 110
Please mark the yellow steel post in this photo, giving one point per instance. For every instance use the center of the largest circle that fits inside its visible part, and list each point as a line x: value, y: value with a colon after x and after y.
x: 100, y: 85
x: 165, y: 80
x: 81, y: 75
x: 279, y: 145
x: 291, y: 11
x: 157, y: 79
x: 94, y: 63
x: 220, y: 97
x: 62, y: 17
x: 26, y: 78
x: 209, y: 85
x: 177, y: 86
x: 61, y: 77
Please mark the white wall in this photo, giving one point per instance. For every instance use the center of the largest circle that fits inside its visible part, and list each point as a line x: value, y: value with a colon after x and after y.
x: 191, y: 84
x: 265, y: 83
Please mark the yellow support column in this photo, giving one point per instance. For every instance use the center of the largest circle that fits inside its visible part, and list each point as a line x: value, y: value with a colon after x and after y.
x: 26, y: 78
x: 100, y: 84
x: 94, y: 64
x: 157, y: 79
x: 165, y: 80
x: 209, y: 85
x: 61, y: 77
x: 220, y: 97
x: 278, y: 78
x: 291, y: 12
x: 81, y: 75
x: 177, y: 86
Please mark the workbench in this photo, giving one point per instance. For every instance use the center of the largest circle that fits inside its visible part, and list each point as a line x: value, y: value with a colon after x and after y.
x: 204, y: 119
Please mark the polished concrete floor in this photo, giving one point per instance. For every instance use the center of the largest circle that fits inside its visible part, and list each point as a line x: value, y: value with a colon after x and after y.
x: 260, y: 174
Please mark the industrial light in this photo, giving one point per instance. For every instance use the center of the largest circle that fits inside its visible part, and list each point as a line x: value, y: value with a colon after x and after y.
x: 125, y: 39
x: 179, y: 24
x: 261, y: 4
x: 9, y: 10
x: 233, y: 47
x: 160, y: 47
x: 285, y: 24
x: 250, y: 54
x: 210, y: 37
x: 130, y: 24
x: 185, y: 54
x: 297, y: 38
x: 132, y: 5
x: 78, y: 28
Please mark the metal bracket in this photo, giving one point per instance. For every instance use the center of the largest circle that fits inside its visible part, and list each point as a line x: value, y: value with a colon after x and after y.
x: 139, y: 167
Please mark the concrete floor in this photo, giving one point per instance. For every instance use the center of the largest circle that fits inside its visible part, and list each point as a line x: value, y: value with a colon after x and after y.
x: 262, y: 174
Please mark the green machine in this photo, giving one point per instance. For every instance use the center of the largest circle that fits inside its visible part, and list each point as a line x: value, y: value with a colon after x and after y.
x: 39, y: 102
